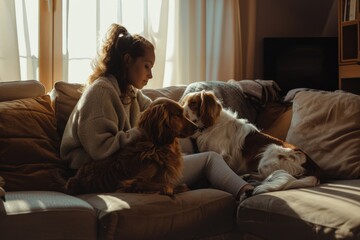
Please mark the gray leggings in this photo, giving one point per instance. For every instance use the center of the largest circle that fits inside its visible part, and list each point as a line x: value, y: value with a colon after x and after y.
x: 212, y: 167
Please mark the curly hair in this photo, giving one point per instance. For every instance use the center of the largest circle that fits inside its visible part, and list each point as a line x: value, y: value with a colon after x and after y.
x: 110, y: 60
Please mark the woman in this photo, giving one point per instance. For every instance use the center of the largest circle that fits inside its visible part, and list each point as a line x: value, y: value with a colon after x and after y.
x: 102, y: 121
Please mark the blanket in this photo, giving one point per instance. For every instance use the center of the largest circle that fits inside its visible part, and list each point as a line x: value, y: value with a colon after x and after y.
x: 246, y: 97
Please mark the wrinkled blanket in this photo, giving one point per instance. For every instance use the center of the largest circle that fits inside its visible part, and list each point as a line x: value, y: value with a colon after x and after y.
x: 245, y: 97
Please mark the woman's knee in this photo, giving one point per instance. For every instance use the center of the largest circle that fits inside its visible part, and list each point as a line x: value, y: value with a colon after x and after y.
x: 214, y: 156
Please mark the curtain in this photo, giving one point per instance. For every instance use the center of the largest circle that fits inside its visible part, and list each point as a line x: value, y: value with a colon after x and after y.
x: 195, y: 40
x: 19, y: 39
x: 208, y: 41
x: 9, y: 52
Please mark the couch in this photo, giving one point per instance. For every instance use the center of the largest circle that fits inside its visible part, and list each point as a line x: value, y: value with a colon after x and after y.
x: 325, y: 124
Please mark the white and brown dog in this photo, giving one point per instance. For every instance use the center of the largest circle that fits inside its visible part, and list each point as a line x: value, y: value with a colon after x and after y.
x: 277, y: 164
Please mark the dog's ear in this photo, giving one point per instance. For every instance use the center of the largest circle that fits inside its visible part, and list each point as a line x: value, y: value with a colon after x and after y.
x: 210, y: 108
x: 183, y: 100
x: 155, y: 121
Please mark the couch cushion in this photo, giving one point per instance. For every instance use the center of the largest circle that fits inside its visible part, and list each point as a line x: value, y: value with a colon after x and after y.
x: 29, y: 153
x: 328, y: 211
x: 191, y: 215
x: 275, y: 119
x: 30, y: 125
x: 46, y: 215
x: 326, y: 126
x: 65, y: 96
x: 172, y: 92
x: 20, y: 89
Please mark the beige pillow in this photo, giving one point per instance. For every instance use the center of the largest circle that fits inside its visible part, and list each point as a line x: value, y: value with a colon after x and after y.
x: 326, y: 125
x: 20, y: 89
x: 172, y: 92
x: 65, y: 96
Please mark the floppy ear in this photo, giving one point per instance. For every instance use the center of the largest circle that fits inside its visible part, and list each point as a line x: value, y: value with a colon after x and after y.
x: 154, y: 121
x: 183, y: 100
x: 210, y: 108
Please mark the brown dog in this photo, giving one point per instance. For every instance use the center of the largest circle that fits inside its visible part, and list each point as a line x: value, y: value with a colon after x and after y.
x: 152, y: 163
x: 246, y: 149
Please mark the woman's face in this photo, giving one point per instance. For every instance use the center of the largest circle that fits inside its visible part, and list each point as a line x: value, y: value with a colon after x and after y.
x: 139, y: 69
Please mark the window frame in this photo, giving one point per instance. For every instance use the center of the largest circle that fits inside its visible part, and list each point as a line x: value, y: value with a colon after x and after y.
x: 50, y: 42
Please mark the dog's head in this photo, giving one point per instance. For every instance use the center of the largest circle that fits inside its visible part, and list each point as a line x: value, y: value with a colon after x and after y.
x: 203, y: 108
x: 164, y: 120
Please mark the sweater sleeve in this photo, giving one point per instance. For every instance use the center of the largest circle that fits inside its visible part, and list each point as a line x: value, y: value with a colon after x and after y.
x: 102, y: 124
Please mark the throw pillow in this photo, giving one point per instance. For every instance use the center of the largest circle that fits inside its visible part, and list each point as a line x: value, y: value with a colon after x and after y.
x: 29, y: 153
x: 65, y: 96
x: 28, y: 131
x: 326, y: 125
x: 172, y: 92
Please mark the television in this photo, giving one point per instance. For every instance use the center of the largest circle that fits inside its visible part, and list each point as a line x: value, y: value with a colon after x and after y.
x: 302, y: 62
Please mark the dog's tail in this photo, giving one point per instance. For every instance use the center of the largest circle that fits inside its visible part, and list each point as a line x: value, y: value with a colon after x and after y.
x: 282, y: 180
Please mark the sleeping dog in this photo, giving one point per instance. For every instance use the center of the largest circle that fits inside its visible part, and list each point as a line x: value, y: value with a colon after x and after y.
x: 278, y: 165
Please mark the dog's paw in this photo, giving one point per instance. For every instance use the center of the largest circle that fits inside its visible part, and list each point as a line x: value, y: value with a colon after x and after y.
x: 181, y: 188
x: 131, y: 185
x: 168, y: 190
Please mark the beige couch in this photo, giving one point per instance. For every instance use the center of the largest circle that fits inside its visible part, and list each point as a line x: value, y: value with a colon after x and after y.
x: 31, y: 124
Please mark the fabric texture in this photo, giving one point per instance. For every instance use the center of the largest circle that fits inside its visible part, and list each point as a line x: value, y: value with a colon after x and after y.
x: 29, y: 125
x: 172, y: 92
x: 328, y: 211
x: 35, y: 215
x: 64, y: 97
x: 212, y: 167
x: 230, y: 95
x: 99, y: 123
x: 20, y: 89
x: 275, y: 119
x: 326, y: 125
x: 196, y: 214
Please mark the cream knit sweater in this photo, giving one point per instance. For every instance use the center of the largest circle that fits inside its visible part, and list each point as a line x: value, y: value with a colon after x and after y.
x: 100, y: 124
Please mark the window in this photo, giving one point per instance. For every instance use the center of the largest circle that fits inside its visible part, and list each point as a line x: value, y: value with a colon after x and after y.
x: 83, y: 31
x: 57, y: 40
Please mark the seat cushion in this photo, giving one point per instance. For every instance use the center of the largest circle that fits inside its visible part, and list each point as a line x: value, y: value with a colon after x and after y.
x: 326, y: 126
x: 46, y: 215
x: 328, y: 211
x: 194, y: 214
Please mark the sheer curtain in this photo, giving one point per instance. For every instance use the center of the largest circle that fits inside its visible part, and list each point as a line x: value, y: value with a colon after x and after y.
x: 18, y: 43
x: 195, y: 40
x: 207, y: 41
x: 83, y: 31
